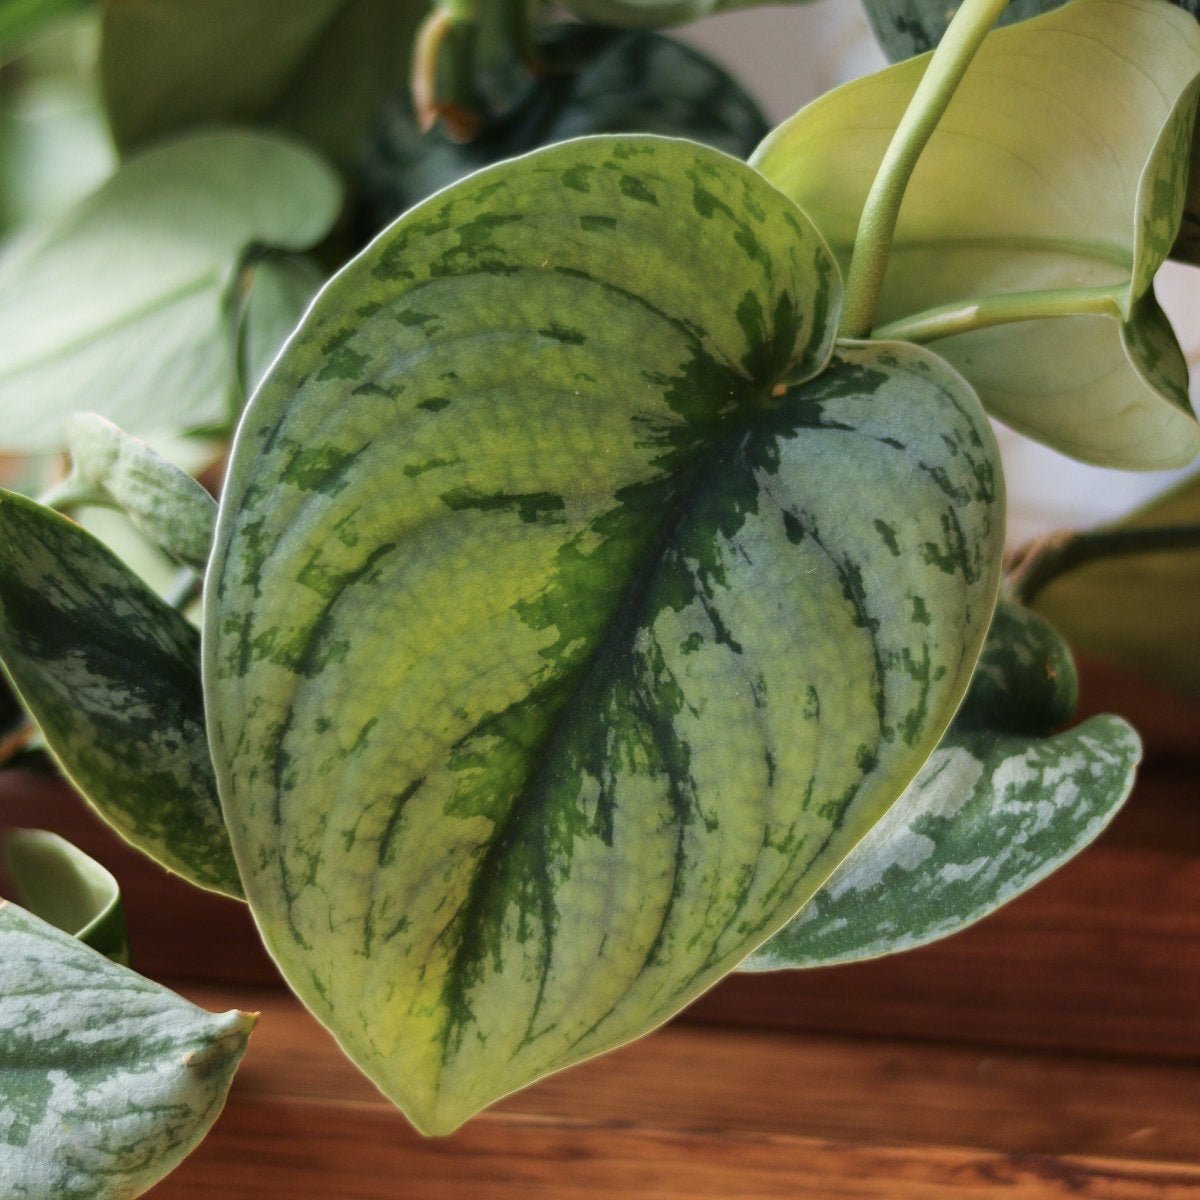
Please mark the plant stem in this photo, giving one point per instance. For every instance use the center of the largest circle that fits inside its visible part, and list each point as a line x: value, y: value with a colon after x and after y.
x: 877, y: 225
x: 1045, y: 560
x: 949, y: 319
x: 443, y: 85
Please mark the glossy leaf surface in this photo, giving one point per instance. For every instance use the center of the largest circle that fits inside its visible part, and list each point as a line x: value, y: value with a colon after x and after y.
x: 617, y: 82
x: 1139, y: 611
x: 1060, y: 164
x: 546, y: 671
x: 109, y: 1080
x: 111, y: 675
x: 110, y: 467
x: 117, y: 305
x: 60, y: 884
x: 169, y: 65
x: 1001, y: 803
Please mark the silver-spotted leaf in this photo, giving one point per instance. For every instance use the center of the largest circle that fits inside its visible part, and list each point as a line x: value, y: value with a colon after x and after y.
x: 60, y: 884
x: 319, y: 69
x: 111, y: 674
x: 1057, y: 174
x: 117, y: 305
x: 109, y: 1080
x: 112, y: 468
x: 556, y: 647
x: 612, y: 81
x: 1002, y: 802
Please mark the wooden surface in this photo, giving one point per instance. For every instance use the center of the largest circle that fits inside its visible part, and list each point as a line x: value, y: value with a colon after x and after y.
x: 1050, y: 1051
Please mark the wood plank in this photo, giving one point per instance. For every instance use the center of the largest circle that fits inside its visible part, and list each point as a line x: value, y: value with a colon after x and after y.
x: 692, y: 1112
x: 690, y: 1077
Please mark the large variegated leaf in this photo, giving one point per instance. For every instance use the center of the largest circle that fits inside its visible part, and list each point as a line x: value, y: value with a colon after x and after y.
x: 1000, y: 804
x: 320, y: 69
x: 109, y: 1080
x: 1140, y: 611
x: 117, y: 305
x: 111, y: 468
x: 1056, y: 177
x: 60, y: 884
x: 617, y: 82
x: 111, y: 674
x: 556, y: 648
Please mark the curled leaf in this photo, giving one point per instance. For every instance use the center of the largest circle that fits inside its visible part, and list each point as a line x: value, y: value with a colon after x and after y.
x: 1053, y: 184
x: 69, y: 889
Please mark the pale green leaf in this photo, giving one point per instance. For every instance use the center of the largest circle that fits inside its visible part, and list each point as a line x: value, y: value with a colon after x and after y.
x: 617, y: 81
x: 109, y: 1080
x: 560, y: 639
x: 1059, y: 165
x: 1002, y: 802
x: 117, y: 305
x: 69, y: 889
x: 280, y: 288
x: 110, y: 467
x: 1139, y: 611
x: 111, y: 675
x: 320, y: 69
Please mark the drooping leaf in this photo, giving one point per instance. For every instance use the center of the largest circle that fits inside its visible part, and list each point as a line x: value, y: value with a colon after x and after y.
x: 117, y: 305
x: 1141, y: 611
x: 111, y: 675
x: 618, y: 82
x: 60, y: 884
x: 1059, y: 165
x: 1002, y: 802
x: 280, y: 289
x: 547, y: 674
x: 110, y: 467
x: 109, y: 1080
x: 320, y: 69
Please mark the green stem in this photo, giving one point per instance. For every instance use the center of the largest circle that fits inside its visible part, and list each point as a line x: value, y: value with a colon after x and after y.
x: 1045, y: 560
x: 949, y: 319
x: 443, y: 72
x: 877, y: 225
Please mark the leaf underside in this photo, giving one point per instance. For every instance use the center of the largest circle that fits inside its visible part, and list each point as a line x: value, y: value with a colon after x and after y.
x: 1002, y: 802
x: 111, y: 674
x: 547, y: 674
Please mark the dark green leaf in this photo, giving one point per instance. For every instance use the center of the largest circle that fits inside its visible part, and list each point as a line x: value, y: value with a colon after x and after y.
x: 111, y: 675
x: 1002, y: 802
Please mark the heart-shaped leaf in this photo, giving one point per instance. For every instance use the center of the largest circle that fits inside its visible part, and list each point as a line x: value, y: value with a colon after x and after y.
x: 1053, y: 183
x: 109, y: 1080
x: 1000, y: 804
x: 117, y: 305
x: 71, y: 890
x: 617, y: 82
x: 1140, y: 611
x: 111, y: 675
x: 559, y: 639
x: 320, y: 69
x: 110, y: 468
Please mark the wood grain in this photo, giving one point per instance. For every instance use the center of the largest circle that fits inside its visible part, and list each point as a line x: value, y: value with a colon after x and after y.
x: 691, y: 1112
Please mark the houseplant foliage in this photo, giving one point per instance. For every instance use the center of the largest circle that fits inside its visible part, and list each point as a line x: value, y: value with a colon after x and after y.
x: 603, y: 590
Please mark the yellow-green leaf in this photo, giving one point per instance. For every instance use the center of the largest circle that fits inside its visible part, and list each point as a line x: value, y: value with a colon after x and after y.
x: 1054, y: 182
x: 60, y: 884
x: 560, y: 637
